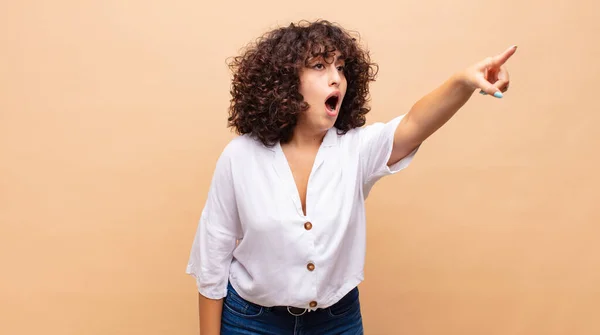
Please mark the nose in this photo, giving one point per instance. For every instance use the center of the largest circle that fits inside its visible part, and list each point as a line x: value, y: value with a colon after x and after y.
x: 334, y: 76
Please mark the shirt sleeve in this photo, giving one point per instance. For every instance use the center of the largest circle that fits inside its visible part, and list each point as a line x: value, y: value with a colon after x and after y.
x: 216, y: 235
x: 375, y: 148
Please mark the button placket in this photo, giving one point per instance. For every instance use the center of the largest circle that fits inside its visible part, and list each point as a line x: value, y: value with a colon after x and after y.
x: 310, y: 265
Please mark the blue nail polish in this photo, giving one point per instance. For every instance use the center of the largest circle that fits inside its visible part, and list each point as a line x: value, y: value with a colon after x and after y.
x: 498, y: 95
x: 482, y: 93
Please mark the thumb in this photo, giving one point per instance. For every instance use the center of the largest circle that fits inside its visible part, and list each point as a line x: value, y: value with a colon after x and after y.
x: 487, y: 88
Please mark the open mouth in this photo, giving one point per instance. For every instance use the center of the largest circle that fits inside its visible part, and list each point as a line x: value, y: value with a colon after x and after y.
x: 332, y: 102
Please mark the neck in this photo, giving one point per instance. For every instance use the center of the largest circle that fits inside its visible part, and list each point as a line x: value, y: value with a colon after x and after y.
x: 303, y: 137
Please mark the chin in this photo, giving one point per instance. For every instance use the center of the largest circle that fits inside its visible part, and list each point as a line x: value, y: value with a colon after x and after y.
x: 329, y: 122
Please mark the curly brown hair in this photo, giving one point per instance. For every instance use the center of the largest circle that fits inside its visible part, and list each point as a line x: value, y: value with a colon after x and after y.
x: 265, y: 99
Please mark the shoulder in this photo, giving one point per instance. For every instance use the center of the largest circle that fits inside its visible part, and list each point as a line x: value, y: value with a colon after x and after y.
x: 373, y: 129
x: 354, y: 135
x: 241, y: 148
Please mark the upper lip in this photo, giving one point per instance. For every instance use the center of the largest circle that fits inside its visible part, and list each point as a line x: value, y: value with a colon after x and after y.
x: 334, y: 94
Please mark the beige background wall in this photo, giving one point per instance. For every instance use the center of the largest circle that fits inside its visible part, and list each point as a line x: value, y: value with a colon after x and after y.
x: 112, y: 114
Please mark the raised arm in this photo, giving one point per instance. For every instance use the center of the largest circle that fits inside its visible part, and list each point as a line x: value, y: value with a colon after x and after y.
x: 436, y: 108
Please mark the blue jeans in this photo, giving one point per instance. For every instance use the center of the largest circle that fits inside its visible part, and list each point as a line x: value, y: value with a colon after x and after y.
x: 243, y: 317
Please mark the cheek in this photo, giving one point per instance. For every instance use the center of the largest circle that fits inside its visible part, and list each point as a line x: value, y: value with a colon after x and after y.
x: 308, y: 93
x: 343, y: 82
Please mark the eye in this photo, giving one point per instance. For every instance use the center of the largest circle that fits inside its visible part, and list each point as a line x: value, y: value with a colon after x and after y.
x: 318, y: 66
x: 341, y: 68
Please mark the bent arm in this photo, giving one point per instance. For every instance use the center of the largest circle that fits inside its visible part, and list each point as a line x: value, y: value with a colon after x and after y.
x: 209, y: 311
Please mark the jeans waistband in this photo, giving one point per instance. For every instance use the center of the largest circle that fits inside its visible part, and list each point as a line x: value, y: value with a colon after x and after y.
x: 295, y: 311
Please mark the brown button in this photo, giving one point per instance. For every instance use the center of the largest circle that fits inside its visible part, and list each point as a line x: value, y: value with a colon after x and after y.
x: 313, y: 304
x: 308, y: 226
x: 310, y: 266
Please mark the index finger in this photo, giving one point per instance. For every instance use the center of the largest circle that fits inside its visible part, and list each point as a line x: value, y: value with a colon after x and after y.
x: 503, y: 57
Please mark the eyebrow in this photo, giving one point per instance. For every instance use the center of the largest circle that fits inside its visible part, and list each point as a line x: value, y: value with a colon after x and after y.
x: 321, y: 57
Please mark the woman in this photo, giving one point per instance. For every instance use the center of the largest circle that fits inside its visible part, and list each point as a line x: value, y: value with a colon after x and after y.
x: 280, y: 244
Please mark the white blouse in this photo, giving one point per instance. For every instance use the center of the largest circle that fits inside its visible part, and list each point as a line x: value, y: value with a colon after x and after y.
x: 286, y: 258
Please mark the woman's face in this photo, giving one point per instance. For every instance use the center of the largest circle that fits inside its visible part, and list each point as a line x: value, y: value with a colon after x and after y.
x: 323, y: 86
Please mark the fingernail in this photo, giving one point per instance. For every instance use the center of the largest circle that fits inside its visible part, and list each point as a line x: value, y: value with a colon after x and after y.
x: 482, y: 93
x: 498, y: 95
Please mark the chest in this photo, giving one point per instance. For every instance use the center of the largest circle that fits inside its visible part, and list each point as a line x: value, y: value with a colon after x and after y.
x: 282, y: 190
x: 301, y: 165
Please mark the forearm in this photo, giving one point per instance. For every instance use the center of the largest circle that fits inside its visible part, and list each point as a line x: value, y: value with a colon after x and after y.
x: 435, y: 109
x: 210, y: 315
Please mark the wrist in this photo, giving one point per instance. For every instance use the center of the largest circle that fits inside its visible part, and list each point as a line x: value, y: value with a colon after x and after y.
x: 461, y: 81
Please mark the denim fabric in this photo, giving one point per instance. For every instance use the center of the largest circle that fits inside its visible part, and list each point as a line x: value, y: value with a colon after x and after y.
x: 241, y: 317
